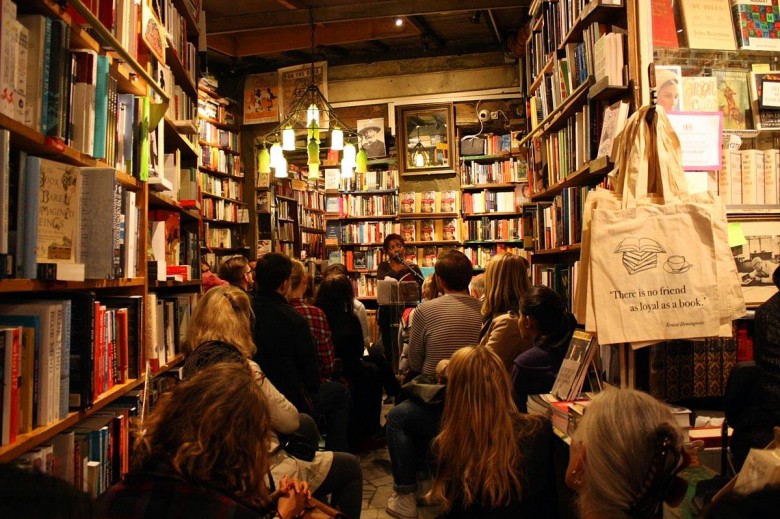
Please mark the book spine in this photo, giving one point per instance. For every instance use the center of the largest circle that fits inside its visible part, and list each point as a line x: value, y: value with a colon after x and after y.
x: 45, y: 75
x: 7, y: 57
x: 101, y: 107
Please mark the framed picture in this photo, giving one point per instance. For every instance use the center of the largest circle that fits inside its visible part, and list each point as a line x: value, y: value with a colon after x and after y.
x: 425, y: 139
x: 371, y: 137
x: 293, y: 82
x: 757, y: 255
x: 261, y: 98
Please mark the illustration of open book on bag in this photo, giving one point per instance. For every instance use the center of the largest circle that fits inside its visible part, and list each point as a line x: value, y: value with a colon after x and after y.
x: 639, y: 254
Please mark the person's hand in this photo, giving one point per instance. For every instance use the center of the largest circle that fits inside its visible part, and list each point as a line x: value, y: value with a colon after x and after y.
x: 295, y: 496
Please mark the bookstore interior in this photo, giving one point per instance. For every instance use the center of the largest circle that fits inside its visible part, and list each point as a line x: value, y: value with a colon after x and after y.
x: 628, y: 150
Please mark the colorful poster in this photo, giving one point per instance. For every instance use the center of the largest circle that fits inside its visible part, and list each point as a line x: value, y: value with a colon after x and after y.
x: 261, y: 98
x: 293, y: 82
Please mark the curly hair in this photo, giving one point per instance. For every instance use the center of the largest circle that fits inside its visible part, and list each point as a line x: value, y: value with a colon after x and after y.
x: 214, y: 429
x: 224, y: 313
x: 479, y: 412
x: 506, y: 282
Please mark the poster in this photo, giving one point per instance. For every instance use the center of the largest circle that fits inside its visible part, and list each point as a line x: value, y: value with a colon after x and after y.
x: 371, y: 137
x: 757, y: 255
x: 700, y: 139
x: 261, y: 98
x: 293, y: 82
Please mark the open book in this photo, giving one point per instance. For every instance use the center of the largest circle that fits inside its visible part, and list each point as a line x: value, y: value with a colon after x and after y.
x: 571, y: 376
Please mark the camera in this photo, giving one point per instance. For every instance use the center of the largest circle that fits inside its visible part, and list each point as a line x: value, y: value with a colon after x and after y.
x: 484, y: 115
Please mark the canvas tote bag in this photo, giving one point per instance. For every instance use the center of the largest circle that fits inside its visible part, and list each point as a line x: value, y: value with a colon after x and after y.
x: 652, y: 265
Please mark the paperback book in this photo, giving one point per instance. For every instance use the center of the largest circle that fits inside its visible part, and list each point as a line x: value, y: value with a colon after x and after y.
x: 571, y: 376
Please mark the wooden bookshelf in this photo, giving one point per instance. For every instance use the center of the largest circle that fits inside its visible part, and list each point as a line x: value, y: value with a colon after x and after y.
x: 588, y: 174
x: 426, y: 216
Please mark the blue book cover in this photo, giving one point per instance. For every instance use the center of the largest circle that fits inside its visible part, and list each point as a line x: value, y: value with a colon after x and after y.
x: 101, y: 107
x: 32, y: 182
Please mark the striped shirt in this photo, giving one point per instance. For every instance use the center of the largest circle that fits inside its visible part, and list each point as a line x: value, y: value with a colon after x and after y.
x: 440, y: 327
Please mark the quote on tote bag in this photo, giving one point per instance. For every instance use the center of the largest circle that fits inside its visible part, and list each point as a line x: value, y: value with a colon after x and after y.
x: 652, y: 259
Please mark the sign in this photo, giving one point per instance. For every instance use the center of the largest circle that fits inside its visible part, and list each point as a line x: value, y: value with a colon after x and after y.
x: 700, y: 135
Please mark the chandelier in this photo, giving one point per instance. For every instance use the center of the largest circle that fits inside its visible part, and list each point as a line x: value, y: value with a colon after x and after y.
x: 314, y: 121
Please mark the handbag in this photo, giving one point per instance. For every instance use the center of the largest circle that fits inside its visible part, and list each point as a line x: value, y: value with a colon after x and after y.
x: 296, y: 445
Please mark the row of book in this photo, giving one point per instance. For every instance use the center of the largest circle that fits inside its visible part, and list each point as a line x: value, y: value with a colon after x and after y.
x: 361, y: 205
x: 373, y: 180
x: 219, y: 186
x: 216, y: 110
x: 560, y: 277
x: 219, y: 161
x: 484, y: 229
x: 430, y: 230
x: 487, y: 144
x: 166, y: 324
x: 480, y: 255
x: 309, y: 199
x: 359, y: 232
x: 489, y: 201
x: 749, y: 177
x: 429, y: 202
x: 285, y: 231
x: 500, y: 171
x: 215, y: 136
x: 309, y: 218
x: 559, y: 223
x: 221, y: 237
x: 176, y: 29
x: 224, y: 210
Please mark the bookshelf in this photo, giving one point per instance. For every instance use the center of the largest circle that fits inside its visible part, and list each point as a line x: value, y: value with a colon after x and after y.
x: 577, y: 65
x: 89, y: 383
x: 224, y: 208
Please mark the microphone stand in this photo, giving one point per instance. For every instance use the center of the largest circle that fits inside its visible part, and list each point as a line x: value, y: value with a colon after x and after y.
x: 416, y: 274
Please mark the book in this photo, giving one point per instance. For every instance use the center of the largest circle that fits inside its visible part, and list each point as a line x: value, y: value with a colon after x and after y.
x: 450, y: 229
x: 615, y: 116
x: 765, y: 99
x: 98, y: 239
x: 700, y: 94
x: 332, y: 179
x: 427, y: 231
x: 8, y: 47
x: 428, y: 201
x: 429, y: 255
x: 449, y: 201
x: 406, y: 202
x: 410, y: 253
x: 708, y: 25
x: 36, y: 26
x: 58, y: 212
x: 664, y: 29
x: 10, y: 339
x: 408, y: 231
x: 756, y: 23
x: 359, y: 260
x: 733, y: 98
x: 571, y: 376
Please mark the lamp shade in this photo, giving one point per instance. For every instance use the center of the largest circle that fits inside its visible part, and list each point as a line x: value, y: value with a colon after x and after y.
x: 280, y: 170
x: 346, y: 169
x: 313, y: 114
x: 288, y: 138
x: 361, y: 161
x: 349, y: 154
x: 264, y: 161
x: 313, y: 151
x: 314, y: 171
x: 419, y: 159
x: 276, y: 154
x: 337, y: 139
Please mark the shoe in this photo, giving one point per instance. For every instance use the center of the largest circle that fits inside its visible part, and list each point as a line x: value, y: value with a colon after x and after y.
x: 402, y: 506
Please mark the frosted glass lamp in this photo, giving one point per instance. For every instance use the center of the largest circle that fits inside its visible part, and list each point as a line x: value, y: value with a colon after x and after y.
x: 280, y: 170
x: 337, y: 139
x: 349, y: 154
x: 313, y: 114
x: 276, y: 154
x: 346, y: 169
x: 361, y: 161
x: 288, y: 139
x: 264, y: 161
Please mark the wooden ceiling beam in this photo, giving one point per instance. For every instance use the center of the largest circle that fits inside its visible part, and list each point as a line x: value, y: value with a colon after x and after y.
x: 279, y: 40
x: 425, y: 30
x: 350, y: 12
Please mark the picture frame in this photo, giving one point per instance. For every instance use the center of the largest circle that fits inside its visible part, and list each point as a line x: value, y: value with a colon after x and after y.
x: 371, y: 137
x: 755, y: 245
x: 426, y: 134
x: 261, y: 98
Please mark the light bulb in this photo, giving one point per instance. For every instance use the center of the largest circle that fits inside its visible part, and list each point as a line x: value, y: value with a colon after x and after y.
x: 288, y: 138
x: 346, y: 169
x: 276, y: 154
x: 280, y: 170
x: 314, y: 171
x: 313, y: 114
x: 264, y: 161
x: 419, y: 159
x: 361, y: 161
x: 349, y: 154
x: 337, y: 139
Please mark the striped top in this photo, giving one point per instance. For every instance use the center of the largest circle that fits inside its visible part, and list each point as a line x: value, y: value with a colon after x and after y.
x: 440, y: 327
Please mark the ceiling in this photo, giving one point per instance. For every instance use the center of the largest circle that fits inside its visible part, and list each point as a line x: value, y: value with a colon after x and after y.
x: 248, y: 36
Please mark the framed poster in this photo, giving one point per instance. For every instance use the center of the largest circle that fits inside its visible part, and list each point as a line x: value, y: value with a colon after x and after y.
x: 261, y: 98
x: 756, y: 251
x: 293, y: 82
x: 371, y: 137
x: 425, y: 137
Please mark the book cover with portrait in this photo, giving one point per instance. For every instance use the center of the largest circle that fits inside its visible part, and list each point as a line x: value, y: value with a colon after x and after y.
x: 427, y: 231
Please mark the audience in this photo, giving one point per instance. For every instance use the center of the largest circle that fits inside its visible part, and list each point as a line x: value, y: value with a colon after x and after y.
x: 203, y: 452
x: 34, y: 495
x: 219, y: 331
x: 509, y: 456
x: 287, y: 353
x: 477, y: 287
x: 506, y: 282
x: 625, y: 456
x: 762, y: 413
x: 318, y: 322
x: 430, y: 290
x: 208, y: 278
x: 237, y: 272
x: 339, y: 269
x: 439, y: 328
x: 545, y: 322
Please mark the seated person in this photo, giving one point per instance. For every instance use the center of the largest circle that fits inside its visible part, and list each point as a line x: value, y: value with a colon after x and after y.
x: 237, y: 272
x: 545, y: 322
x: 625, y: 456
x: 208, y: 278
x: 36, y: 495
x: 479, y: 412
x: 203, y: 452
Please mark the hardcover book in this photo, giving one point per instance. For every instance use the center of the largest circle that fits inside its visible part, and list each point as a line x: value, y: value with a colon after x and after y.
x: 428, y: 202
x: 664, y: 29
x: 765, y: 99
x: 700, y: 94
x: 757, y: 23
x: 407, y: 202
x: 58, y: 213
x: 733, y: 98
x: 428, y: 256
x: 614, y: 120
x: 449, y: 201
x: 408, y: 231
x: 708, y: 25
x: 427, y: 230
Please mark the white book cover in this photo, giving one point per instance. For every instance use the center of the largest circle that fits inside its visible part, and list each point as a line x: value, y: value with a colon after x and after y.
x: 5, y: 184
x: 771, y: 172
x: 615, y: 117
x: 36, y: 40
x: 20, y: 93
x: 8, y: 44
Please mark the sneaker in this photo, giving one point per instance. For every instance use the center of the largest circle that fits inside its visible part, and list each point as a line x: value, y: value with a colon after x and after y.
x: 402, y: 506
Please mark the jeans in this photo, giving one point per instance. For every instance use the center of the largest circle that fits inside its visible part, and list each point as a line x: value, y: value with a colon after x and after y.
x: 411, y: 426
x: 344, y: 483
x: 332, y: 402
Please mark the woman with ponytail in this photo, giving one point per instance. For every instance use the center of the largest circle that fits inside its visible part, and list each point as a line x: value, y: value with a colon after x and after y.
x: 545, y: 322
x: 625, y: 457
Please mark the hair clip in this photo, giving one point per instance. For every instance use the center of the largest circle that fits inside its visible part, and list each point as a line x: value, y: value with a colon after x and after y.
x: 661, y: 480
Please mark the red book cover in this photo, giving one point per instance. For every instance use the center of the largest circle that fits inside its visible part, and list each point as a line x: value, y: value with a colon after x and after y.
x: 9, y: 396
x: 121, y: 341
x: 111, y: 359
x: 97, y: 367
x: 664, y: 29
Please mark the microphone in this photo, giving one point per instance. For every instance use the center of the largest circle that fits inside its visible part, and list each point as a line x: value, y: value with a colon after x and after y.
x: 397, y: 257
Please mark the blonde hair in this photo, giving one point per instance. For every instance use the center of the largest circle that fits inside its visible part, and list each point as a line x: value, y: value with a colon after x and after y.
x: 225, y: 314
x: 298, y: 274
x: 430, y: 289
x: 619, y: 433
x: 479, y: 412
x: 212, y: 428
x: 506, y: 281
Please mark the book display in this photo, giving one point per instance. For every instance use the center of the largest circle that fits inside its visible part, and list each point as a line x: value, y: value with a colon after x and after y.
x: 220, y: 175
x: 95, y: 164
x: 578, y: 100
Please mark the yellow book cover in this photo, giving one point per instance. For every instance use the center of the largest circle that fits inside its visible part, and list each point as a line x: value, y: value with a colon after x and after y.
x: 58, y: 213
x: 708, y: 24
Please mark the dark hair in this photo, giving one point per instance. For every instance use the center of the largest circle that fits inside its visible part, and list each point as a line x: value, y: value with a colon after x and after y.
x: 389, y: 238
x: 232, y: 269
x: 776, y: 277
x: 335, y: 297
x: 548, y: 310
x: 272, y: 270
x: 335, y: 269
x: 761, y: 503
x: 38, y: 495
x: 454, y: 270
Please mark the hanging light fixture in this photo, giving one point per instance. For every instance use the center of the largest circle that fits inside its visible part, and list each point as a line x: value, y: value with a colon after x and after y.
x: 418, y: 154
x: 312, y: 116
x: 264, y: 161
x: 280, y: 170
